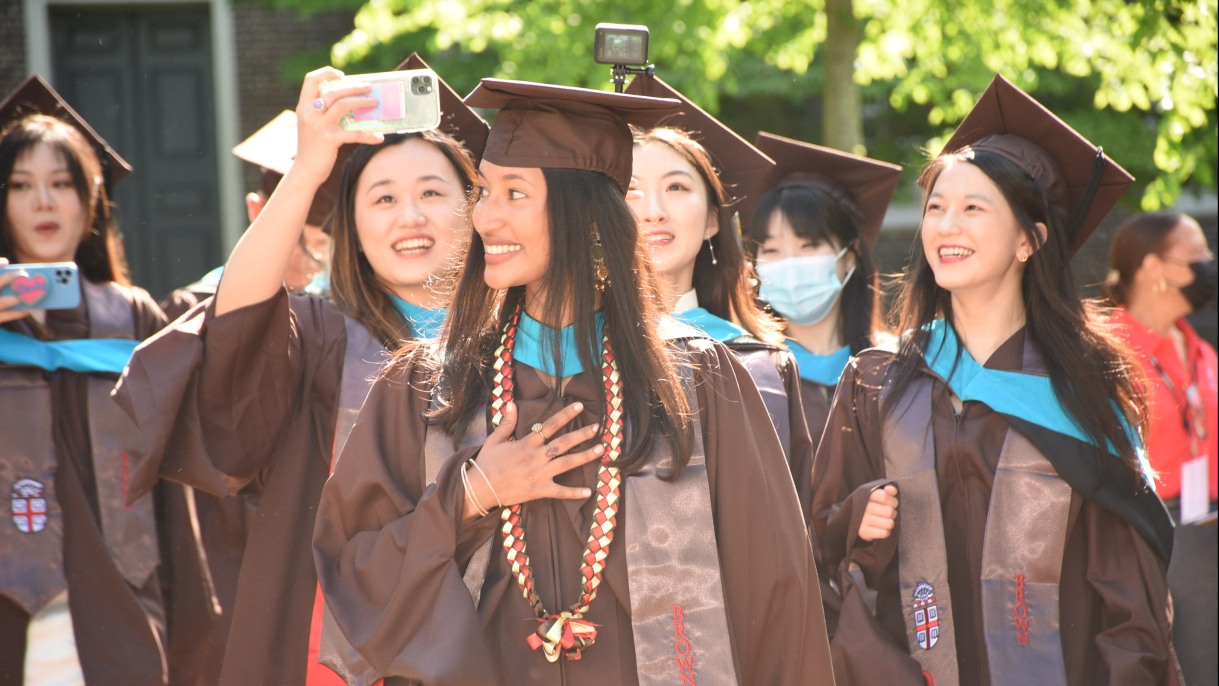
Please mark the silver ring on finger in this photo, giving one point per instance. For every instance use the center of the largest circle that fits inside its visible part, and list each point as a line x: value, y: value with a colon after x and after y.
x: 537, y: 429
x: 552, y: 450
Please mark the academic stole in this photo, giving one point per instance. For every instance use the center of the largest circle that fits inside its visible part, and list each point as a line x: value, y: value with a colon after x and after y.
x: 1026, y: 530
x: 31, y: 571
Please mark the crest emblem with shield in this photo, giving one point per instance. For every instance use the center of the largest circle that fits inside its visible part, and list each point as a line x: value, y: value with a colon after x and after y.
x: 29, y: 506
x: 926, y: 615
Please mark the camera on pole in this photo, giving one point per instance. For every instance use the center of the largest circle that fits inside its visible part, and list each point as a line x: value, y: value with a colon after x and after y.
x: 625, y: 48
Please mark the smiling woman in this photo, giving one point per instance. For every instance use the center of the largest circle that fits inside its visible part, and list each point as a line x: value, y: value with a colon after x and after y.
x: 269, y: 383
x: 688, y: 179
x: 507, y: 507
x: 994, y: 460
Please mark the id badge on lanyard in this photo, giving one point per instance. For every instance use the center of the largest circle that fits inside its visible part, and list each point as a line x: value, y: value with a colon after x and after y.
x: 1195, y: 472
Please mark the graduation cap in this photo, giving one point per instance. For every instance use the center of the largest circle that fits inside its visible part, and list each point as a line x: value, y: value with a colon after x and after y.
x: 35, y: 96
x: 1076, y: 174
x: 863, y: 186
x: 559, y: 127
x: 741, y: 167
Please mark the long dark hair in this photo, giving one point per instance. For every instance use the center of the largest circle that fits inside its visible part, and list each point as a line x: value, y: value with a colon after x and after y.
x: 578, y: 202
x: 99, y: 255
x: 816, y: 216
x: 1138, y: 237
x: 353, y: 283
x: 1085, y: 362
x: 724, y: 289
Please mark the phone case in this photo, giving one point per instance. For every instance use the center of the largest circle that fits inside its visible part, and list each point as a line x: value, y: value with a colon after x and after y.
x: 407, y: 101
x: 48, y: 286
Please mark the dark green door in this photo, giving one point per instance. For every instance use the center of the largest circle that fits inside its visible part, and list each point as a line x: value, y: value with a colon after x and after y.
x: 142, y: 76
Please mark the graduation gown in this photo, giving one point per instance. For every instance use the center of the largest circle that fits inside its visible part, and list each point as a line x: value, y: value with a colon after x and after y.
x: 774, y: 371
x: 201, y: 597
x: 119, y: 629
x: 816, y: 402
x: 247, y: 403
x: 801, y: 439
x: 1114, y: 602
x: 391, y: 549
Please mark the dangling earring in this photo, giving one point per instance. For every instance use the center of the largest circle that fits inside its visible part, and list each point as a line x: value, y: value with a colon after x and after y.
x: 1162, y: 285
x: 712, y: 249
x: 600, y: 272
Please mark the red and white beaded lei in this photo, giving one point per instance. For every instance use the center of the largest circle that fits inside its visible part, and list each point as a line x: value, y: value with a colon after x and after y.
x: 566, y: 631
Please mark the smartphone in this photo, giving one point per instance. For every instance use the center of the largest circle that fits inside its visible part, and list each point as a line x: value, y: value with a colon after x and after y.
x: 407, y: 101
x: 45, y: 286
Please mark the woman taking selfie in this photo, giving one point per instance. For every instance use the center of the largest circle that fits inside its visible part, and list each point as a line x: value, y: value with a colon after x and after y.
x: 985, y: 480
x: 265, y: 386
x: 499, y: 494
x: 80, y: 597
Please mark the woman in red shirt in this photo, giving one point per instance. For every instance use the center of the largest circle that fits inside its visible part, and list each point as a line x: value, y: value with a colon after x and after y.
x: 1162, y: 270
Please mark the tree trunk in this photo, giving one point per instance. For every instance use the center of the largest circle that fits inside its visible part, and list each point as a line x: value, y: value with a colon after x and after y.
x: 842, y: 118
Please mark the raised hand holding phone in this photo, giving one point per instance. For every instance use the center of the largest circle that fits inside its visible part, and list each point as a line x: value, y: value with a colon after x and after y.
x: 254, y: 271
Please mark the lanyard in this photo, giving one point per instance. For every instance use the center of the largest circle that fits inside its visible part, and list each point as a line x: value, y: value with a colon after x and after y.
x: 1194, y: 418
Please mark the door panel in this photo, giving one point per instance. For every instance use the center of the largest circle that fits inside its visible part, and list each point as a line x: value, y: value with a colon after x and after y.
x: 142, y: 76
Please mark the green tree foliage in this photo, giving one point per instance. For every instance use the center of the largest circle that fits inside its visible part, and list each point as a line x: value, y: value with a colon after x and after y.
x: 1138, y: 76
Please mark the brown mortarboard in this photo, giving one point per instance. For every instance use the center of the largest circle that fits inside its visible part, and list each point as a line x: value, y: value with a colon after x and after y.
x: 741, y: 166
x: 35, y: 96
x: 559, y: 127
x: 862, y: 185
x: 456, y: 119
x: 1077, y: 175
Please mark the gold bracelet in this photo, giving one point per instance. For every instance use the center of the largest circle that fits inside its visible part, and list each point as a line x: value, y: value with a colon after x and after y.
x: 465, y: 482
x: 498, y: 503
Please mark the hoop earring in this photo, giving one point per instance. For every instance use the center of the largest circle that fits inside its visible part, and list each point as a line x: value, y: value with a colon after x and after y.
x: 712, y: 249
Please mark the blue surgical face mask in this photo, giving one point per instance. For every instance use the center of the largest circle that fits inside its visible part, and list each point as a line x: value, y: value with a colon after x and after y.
x: 803, y: 289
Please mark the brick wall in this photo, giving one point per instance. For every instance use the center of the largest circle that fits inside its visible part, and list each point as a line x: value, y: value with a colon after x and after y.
x: 12, y: 45
x: 265, y: 39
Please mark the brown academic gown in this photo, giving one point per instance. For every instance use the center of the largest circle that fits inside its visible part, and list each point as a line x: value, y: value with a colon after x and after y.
x: 391, y: 550
x: 816, y: 402
x: 801, y: 439
x: 200, y: 601
x: 113, y: 637
x: 248, y: 402
x: 1114, y: 596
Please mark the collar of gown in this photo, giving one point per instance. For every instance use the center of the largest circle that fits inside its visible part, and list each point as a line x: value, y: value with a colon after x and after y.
x: 535, y: 346
x: 424, y: 322
x: 1024, y: 394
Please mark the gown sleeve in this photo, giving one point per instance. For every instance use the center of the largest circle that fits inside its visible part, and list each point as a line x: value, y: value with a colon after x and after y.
x: 769, y: 577
x: 390, y: 552
x: 1133, y: 644
x: 212, y: 395
x: 850, y: 465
